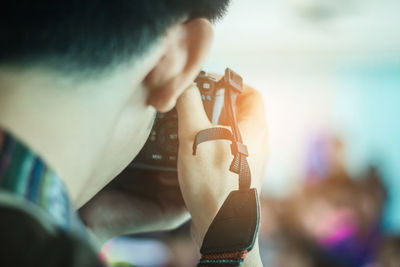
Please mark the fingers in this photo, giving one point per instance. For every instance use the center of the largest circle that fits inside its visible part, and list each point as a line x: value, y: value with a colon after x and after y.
x: 192, y: 117
x: 250, y: 107
x: 253, y: 126
x: 252, y: 119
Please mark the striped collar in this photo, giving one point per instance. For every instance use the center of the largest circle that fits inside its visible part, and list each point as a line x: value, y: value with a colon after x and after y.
x: 26, y: 176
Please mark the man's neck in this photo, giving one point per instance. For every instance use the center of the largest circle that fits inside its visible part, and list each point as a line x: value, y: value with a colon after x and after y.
x: 53, y: 116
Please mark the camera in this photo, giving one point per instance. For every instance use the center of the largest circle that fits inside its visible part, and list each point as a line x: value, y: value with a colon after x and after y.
x: 161, y: 149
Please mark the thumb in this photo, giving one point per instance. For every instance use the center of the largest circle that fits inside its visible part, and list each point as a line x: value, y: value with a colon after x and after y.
x: 192, y: 117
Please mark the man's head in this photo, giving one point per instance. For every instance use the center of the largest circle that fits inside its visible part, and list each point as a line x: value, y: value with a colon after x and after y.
x: 91, y: 36
x: 78, y: 79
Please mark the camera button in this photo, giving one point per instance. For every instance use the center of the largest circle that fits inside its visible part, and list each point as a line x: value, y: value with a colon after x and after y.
x: 157, y: 156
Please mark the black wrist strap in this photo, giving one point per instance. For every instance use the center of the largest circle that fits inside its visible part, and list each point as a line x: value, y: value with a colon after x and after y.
x: 239, y: 151
x: 234, y: 229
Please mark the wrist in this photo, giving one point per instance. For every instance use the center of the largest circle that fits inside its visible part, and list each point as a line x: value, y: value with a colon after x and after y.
x: 253, y: 258
x: 201, y: 222
x: 204, y: 213
x: 233, y: 232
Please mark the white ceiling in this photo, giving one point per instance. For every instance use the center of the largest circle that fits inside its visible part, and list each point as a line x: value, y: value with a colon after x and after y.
x: 286, y: 32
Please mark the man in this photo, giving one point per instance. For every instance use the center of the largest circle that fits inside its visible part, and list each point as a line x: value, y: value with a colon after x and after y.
x: 80, y: 82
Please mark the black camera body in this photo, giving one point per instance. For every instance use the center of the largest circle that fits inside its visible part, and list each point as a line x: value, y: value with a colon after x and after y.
x: 161, y: 149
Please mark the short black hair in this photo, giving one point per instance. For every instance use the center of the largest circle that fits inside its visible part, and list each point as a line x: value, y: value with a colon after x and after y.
x: 86, y: 35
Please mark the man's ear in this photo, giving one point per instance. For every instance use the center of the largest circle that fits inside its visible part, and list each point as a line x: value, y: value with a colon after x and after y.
x: 185, y: 49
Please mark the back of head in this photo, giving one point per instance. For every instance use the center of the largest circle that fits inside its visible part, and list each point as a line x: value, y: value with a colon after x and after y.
x: 90, y: 36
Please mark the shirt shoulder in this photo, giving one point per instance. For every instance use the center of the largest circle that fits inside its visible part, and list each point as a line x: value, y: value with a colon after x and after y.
x: 28, y: 239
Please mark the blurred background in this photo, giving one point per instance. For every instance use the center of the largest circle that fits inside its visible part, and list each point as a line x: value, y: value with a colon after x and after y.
x: 329, y: 72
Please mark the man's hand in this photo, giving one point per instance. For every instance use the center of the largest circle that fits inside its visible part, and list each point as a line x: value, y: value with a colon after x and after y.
x: 205, y: 178
x: 136, y: 202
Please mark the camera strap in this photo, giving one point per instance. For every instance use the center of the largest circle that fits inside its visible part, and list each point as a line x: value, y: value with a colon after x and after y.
x: 233, y: 231
x: 239, y: 151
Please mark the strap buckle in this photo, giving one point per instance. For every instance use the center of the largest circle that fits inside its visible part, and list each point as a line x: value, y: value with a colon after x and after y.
x: 237, y: 147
